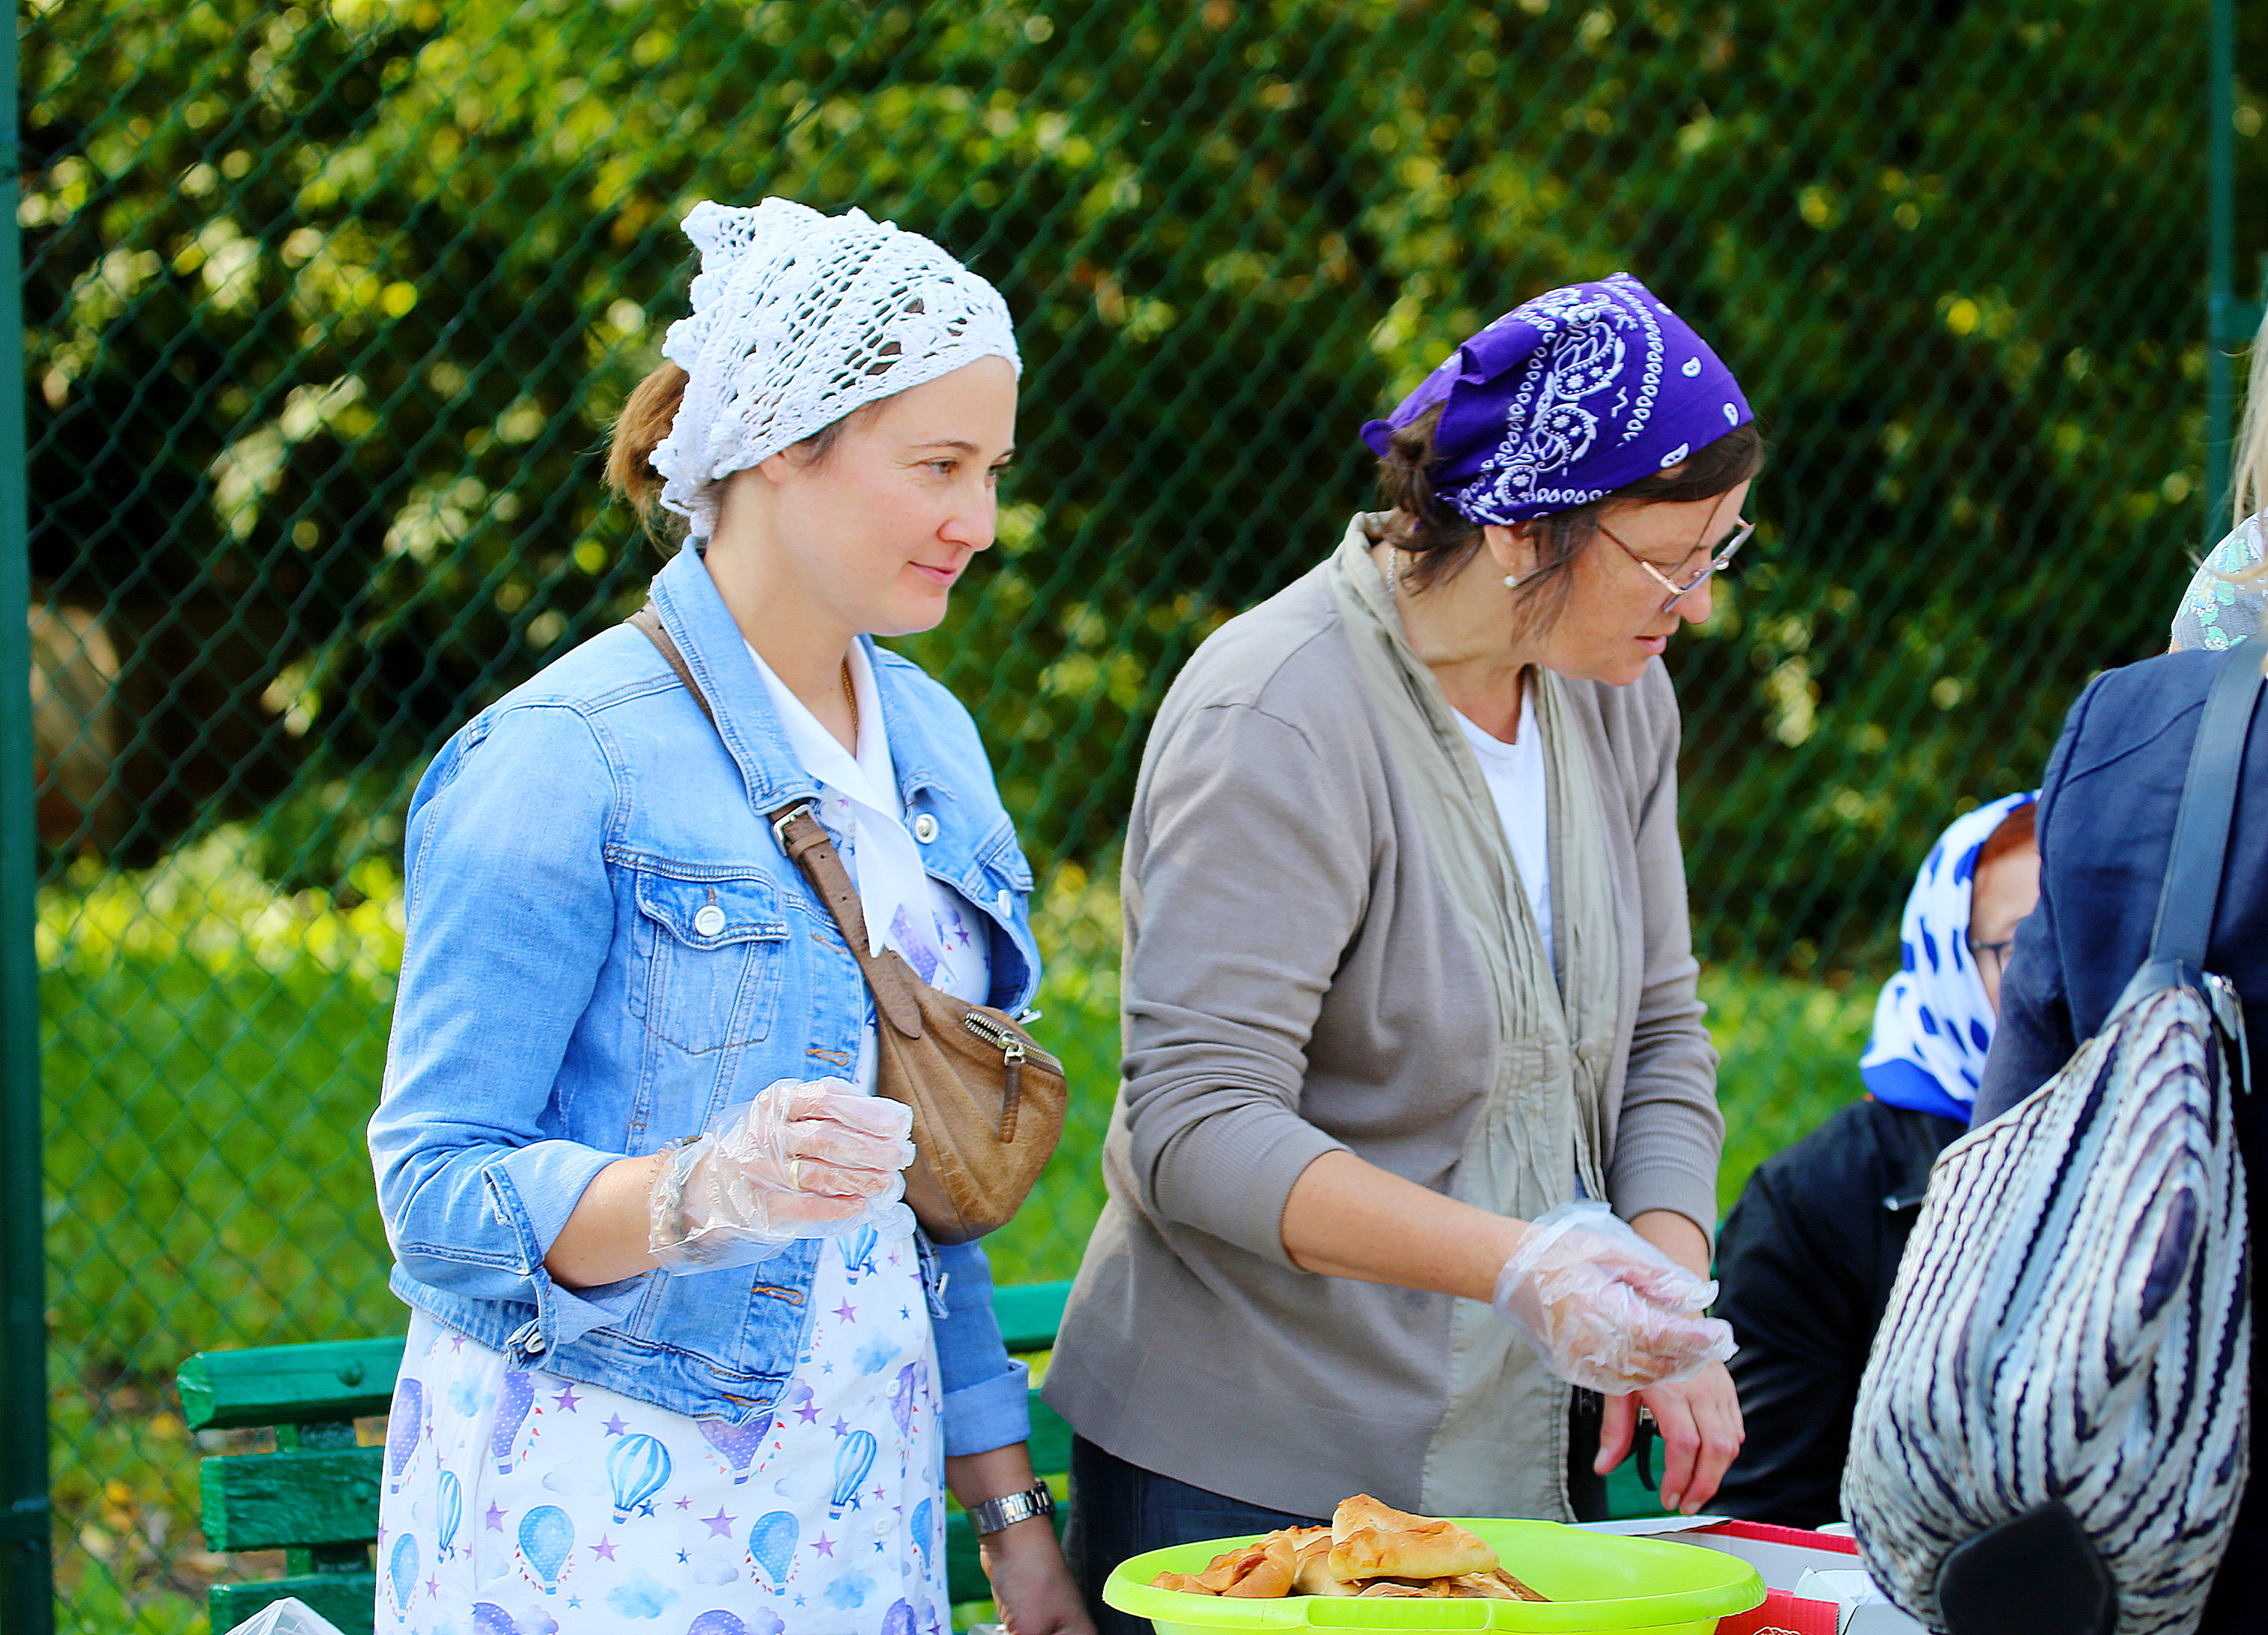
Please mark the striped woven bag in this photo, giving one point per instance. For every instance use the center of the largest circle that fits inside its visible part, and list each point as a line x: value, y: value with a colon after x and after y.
x: 2051, y: 1433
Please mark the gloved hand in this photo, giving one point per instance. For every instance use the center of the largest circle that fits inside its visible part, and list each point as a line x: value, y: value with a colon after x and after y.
x: 1608, y: 1310
x: 806, y: 1158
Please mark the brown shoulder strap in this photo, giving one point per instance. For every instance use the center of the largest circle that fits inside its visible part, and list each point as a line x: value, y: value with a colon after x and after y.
x: 890, y: 978
x: 801, y: 837
x: 648, y: 619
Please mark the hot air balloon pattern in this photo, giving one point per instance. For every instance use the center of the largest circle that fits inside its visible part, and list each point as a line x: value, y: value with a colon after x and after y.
x: 402, y: 1426
x: 450, y: 1505
x: 905, y: 1393
x: 546, y: 1537
x: 636, y: 1468
x: 401, y: 1573
x: 740, y: 1444
x: 589, y: 1516
x: 920, y: 1523
x: 859, y: 1253
x: 490, y: 1619
x: 771, y: 1545
x: 514, y: 1398
x: 854, y: 1456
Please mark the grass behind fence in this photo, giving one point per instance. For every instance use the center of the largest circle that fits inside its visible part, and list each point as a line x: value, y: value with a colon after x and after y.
x: 214, y: 1049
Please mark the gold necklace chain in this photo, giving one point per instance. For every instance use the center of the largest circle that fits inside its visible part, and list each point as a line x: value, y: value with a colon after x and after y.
x: 850, y: 693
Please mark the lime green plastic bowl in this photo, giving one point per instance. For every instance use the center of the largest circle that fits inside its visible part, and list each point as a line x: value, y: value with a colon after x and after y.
x: 1599, y: 1585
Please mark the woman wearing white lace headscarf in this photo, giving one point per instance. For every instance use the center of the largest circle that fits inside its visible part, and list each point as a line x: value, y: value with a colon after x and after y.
x: 678, y: 1357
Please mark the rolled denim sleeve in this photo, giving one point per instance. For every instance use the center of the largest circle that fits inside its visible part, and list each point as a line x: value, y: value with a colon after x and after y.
x: 511, y: 916
x: 987, y: 1393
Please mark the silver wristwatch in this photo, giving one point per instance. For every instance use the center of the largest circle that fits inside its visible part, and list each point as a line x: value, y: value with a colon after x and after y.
x: 995, y: 1514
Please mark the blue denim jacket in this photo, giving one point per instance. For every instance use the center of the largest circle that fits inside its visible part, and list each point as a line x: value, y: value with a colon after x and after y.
x: 559, y: 1009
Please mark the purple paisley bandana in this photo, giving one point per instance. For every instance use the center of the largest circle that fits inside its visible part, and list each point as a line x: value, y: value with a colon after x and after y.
x: 1566, y: 399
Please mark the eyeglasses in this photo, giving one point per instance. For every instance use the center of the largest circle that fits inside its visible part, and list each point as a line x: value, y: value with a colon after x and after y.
x: 1997, y: 950
x: 1717, y: 563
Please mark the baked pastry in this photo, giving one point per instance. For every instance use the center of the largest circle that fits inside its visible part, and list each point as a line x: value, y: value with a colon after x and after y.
x: 1312, y: 1574
x: 1370, y: 1550
x: 1370, y: 1540
x: 1495, y: 1585
x: 1259, y: 1572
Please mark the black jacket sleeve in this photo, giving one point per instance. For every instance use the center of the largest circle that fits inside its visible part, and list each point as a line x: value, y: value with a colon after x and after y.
x: 1805, y: 1263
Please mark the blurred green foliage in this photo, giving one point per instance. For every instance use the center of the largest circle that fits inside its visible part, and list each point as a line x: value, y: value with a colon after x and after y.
x: 332, y: 302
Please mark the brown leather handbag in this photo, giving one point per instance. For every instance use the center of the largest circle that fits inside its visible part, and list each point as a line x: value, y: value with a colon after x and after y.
x: 988, y: 1103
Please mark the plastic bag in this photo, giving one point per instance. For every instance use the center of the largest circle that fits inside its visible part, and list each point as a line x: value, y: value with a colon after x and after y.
x: 288, y: 1616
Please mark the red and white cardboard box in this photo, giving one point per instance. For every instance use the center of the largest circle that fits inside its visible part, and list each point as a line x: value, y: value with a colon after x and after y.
x: 1814, y: 1582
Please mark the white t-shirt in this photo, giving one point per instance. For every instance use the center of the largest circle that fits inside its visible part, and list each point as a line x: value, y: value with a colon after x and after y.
x: 1517, y: 784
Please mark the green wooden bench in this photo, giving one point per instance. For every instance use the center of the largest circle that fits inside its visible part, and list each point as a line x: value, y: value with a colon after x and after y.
x: 315, y: 1497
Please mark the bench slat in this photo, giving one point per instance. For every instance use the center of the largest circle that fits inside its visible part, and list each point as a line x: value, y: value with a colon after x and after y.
x: 269, y: 1502
x: 1050, y: 1443
x: 1030, y: 1313
x: 347, y: 1599
x: 287, y: 1384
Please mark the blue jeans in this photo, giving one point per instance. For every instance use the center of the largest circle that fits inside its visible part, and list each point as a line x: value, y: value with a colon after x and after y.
x: 1119, y: 1510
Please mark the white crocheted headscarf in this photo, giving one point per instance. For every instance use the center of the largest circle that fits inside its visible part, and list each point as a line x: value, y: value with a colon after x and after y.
x: 799, y: 318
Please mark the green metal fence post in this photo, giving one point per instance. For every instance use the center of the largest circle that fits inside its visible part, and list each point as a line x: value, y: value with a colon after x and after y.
x: 2221, y: 263
x: 27, y: 1568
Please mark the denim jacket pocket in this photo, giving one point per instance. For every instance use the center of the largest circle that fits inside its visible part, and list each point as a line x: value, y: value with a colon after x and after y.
x: 718, y: 943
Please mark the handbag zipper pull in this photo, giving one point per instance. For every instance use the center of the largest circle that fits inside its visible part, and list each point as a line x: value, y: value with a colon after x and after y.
x: 1012, y: 1064
x: 1011, y: 1093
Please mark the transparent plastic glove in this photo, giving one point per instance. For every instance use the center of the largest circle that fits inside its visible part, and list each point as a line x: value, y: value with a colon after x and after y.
x: 806, y: 1158
x: 1608, y: 1310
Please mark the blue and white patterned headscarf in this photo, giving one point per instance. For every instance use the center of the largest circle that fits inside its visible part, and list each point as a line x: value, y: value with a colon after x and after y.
x: 1934, y: 1023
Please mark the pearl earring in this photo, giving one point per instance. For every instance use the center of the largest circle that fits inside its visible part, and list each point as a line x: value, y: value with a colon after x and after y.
x: 1512, y: 581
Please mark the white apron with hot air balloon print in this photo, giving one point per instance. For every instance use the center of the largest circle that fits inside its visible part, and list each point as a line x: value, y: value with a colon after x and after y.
x: 517, y: 1503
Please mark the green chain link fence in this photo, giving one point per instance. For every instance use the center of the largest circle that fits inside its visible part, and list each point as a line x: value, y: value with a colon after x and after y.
x: 329, y: 304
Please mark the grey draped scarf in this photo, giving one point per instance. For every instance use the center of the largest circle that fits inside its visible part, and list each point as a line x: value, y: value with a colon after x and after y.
x: 1541, y: 1130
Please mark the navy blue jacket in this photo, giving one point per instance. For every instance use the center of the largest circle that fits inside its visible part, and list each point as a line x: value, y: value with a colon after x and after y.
x: 2106, y: 827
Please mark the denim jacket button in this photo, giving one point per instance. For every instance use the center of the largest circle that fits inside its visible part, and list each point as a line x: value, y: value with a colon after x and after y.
x: 709, y: 921
x: 925, y: 827
x: 1004, y: 901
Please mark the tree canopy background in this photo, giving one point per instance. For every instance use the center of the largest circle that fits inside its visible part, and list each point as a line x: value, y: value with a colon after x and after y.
x: 332, y: 304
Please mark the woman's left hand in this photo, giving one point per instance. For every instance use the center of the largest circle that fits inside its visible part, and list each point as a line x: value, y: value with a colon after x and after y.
x: 1031, y: 1585
x: 1700, y: 1420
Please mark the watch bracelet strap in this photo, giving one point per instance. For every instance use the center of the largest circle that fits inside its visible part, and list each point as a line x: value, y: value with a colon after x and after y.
x: 994, y: 1514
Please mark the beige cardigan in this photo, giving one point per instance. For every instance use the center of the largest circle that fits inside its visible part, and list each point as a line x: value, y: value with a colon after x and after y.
x: 1298, y: 982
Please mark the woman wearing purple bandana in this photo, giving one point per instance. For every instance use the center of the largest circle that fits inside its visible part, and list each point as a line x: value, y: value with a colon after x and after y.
x: 1414, y: 1159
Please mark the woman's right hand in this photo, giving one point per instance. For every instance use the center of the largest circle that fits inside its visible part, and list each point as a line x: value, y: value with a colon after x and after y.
x: 1608, y: 1310
x: 803, y: 1159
